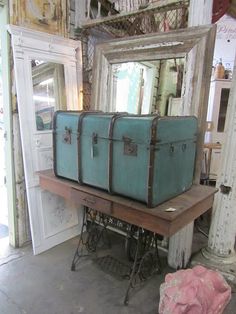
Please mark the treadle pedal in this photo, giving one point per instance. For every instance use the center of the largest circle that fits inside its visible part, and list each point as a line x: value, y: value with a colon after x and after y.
x: 113, y: 267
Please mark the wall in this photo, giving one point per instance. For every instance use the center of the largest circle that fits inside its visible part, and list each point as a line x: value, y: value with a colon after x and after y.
x: 48, y: 16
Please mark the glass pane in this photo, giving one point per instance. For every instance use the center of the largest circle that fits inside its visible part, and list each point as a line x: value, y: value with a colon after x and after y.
x: 48, y: 92
x: 128, y: 88
x: 223, y: 109
x: 146, y: 86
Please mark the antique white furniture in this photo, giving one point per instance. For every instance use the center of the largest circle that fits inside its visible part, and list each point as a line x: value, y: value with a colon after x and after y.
x: 48, y: 73
x: 217, y: 109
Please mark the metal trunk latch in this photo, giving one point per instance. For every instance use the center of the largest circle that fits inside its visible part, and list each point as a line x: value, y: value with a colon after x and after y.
x: 67, y: 135
x: 130, y: 149
x: 225, y: 189
x: 172, y: 149
x: 94, y: 142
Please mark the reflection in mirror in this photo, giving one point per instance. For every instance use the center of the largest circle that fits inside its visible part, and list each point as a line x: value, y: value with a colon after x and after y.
x: 48, y: 92
x: 148, y: 86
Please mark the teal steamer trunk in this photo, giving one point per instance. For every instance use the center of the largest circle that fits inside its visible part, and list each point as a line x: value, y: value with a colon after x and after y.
x: 147, y: 158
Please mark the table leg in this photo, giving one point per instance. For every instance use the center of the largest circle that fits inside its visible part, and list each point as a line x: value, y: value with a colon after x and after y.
x: 96, y: 229
x: 79, y: 254
x: 146, y: 260
x: 134, y: 268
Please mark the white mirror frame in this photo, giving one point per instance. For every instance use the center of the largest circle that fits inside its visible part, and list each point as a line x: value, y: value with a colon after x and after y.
x: 52, y: 220
x: 30, y: 44
x: 195, y: 42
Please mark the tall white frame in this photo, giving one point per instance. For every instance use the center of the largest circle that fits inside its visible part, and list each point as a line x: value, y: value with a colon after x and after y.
x: 52, y: 221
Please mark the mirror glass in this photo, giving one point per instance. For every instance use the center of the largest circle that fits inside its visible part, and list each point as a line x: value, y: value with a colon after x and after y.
x: 49, y: 92
x: 147, y: 86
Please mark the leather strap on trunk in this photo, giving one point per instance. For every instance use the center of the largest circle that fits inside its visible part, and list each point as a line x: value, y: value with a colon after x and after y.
x: 110, y: 150
x: 79, y: 131
x: 151, y: 160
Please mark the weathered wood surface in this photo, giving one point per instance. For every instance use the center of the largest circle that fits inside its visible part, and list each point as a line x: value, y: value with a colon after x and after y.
x: 222, y: 232
x: 195, y: 101
x: 161, y: 6
x: 46, y: 16
x: 180, y: 247
x: 174, y: 44
x: 189, y: 205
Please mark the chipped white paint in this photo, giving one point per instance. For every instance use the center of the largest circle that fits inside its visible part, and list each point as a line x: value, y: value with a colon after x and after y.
x: 22, y: 227
x: 223, y: 229
x: 52, y: 220
x: 200, y: 12
x: 180, y: 245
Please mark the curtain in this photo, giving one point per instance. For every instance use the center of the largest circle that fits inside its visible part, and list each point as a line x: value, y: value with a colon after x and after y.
x: 221, y: 7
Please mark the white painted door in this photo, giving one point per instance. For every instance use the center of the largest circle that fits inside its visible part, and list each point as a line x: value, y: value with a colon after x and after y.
x: 48, y: 74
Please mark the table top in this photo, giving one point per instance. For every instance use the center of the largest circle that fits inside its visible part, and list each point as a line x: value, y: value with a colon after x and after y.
x: 187, y: 206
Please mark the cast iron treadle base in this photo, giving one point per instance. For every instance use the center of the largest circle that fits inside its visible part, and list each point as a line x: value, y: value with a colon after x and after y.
x: 146, y: 260
x: 96, y: 231
x: 141, y: 248
x: 113, y: 266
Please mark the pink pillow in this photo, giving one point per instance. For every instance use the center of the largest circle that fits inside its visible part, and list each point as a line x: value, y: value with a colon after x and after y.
x: 194, y: 291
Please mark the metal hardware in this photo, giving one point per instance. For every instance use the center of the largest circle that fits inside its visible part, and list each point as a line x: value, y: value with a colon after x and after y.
x: 143, y: 254
x: 225, y: 189
x: 126, y: 139
x: 152, y: 159
x: 110, y: 151
x: 172, y: 148
x: 130, y: 149
x: 90, y: 201
x: 94, y: 142
x: 184, y: 146
x: 94, y: 138
x: 79, y: 131
x: 96, y: 226
x: 67, y: 135
x: 146, y: 260
x: 113, y: 266
x: 38, y: 143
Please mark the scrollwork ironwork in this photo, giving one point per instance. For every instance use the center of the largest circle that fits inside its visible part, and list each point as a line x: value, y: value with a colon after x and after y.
x: 141, y: 247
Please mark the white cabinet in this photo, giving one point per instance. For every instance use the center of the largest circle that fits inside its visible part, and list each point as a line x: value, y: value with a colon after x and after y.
x: 215, y: 163
x: 217, y: 108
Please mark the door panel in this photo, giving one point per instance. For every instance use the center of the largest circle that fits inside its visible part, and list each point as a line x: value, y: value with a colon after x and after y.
x: 46, y: 80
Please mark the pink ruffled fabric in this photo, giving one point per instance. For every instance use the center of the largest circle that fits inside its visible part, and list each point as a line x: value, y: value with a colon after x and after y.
x: 194, y: 291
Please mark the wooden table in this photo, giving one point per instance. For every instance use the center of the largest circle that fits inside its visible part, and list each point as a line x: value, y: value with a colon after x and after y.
x: 158, y: 220
x: 188, y: 205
